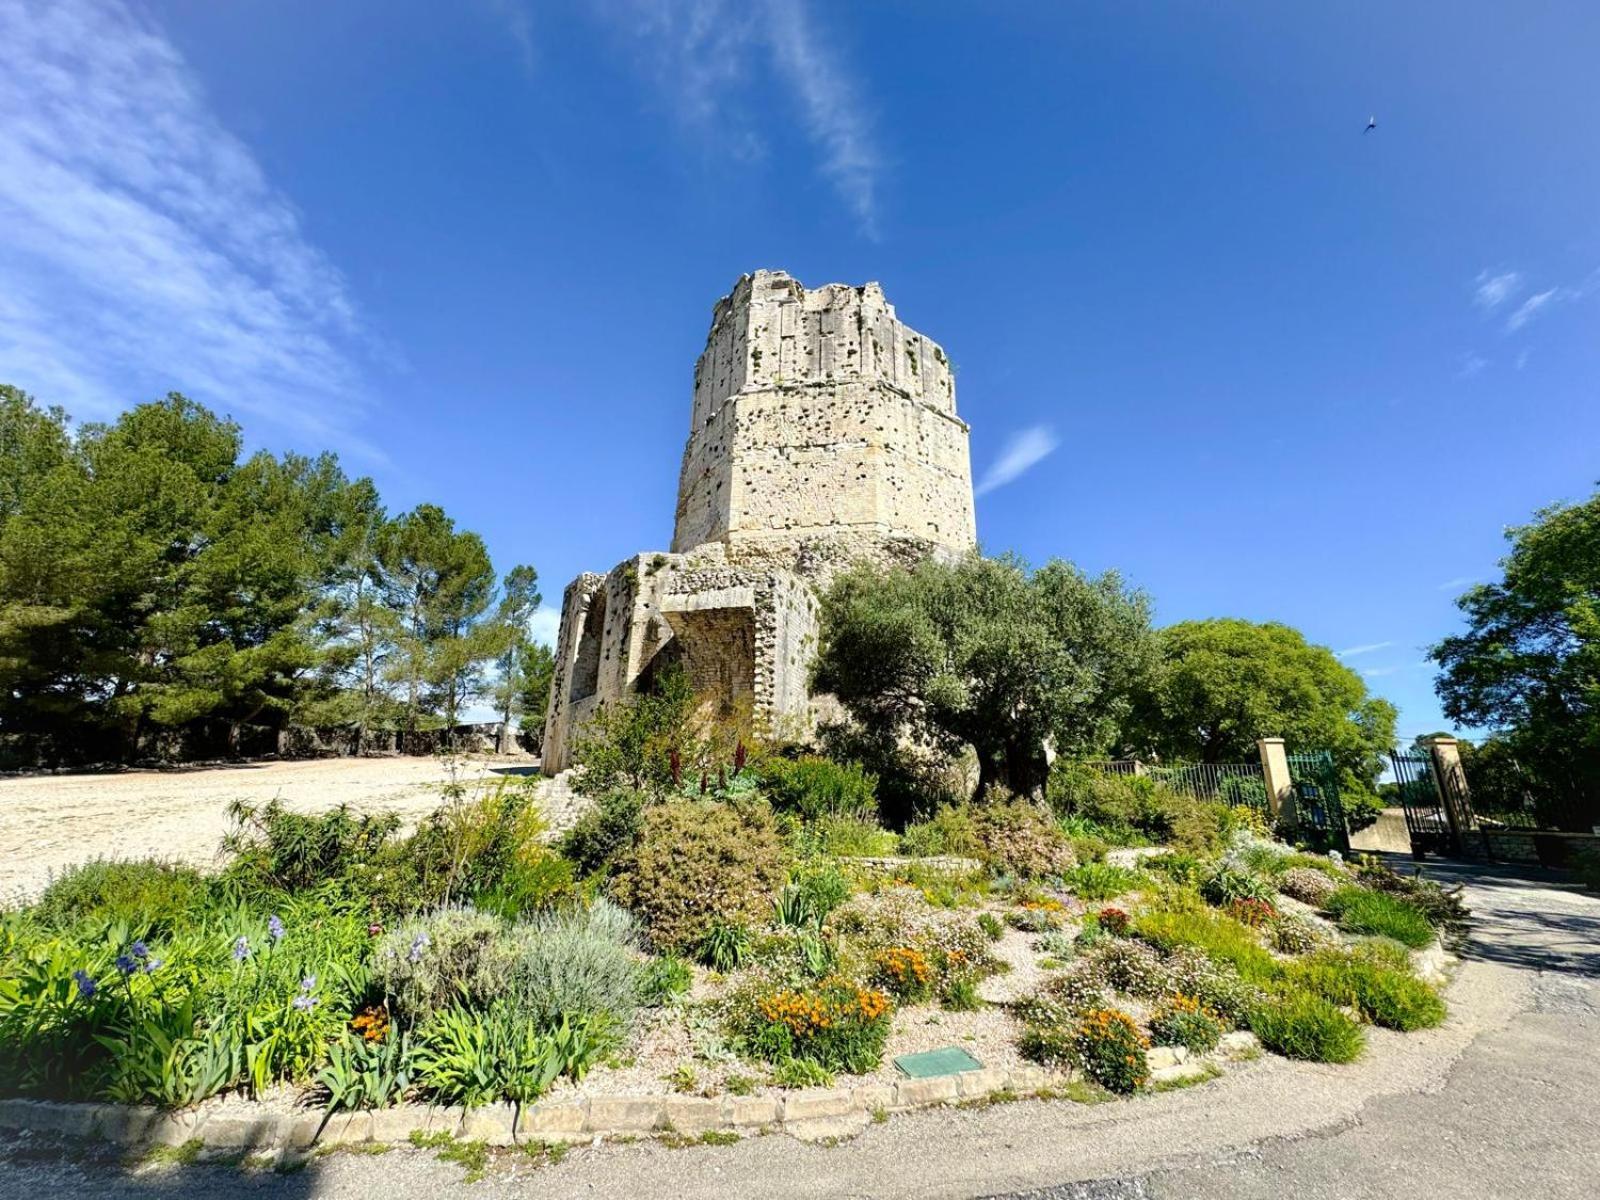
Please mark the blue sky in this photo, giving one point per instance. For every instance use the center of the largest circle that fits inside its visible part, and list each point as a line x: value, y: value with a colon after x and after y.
x: 1208, y: 331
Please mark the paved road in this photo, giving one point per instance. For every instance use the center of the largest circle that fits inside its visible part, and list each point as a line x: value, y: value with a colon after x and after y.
x: 1498, y: 1102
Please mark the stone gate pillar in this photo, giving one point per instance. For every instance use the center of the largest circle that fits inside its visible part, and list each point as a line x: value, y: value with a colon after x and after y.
x: 1275, y: 774
x: 1451, y: 781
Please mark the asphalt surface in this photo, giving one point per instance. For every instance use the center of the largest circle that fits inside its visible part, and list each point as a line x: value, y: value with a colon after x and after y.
x: 1501, y: 1101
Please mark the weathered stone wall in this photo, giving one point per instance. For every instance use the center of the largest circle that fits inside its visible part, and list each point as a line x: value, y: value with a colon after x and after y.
x: 819, y: 413
x: 823, y: 431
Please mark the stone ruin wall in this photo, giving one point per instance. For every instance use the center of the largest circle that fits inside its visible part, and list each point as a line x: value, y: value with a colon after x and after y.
x: 819, y: 416
x: 823, y: 432
x: 739, y: 631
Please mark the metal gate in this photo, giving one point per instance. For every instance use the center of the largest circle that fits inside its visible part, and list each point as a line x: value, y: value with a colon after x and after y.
x: 1318, y: 810
x: 1423, y: 799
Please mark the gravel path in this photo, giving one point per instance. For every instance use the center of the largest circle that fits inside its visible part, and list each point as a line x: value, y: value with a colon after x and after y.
x: 48, y: 822
x: 1498, y: 1102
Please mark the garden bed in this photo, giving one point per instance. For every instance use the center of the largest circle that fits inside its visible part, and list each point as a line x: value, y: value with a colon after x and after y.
x: 683, y: 965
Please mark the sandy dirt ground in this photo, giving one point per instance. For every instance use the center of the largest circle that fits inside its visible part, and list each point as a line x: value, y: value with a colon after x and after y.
x: 52, y: 821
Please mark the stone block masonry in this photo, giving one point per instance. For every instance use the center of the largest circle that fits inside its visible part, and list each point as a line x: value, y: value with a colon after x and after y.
x: 823, y: 431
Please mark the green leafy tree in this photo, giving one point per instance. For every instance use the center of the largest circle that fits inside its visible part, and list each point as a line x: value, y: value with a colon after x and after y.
x: 519, y: 599
x: 986, y: 653
x: 440, y: 583
x: 1225, y: 683
x: 535, y: 671
x: 1528, y: 663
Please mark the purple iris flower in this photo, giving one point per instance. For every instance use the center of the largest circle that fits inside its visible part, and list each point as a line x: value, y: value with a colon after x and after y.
x: 151, y: 965
x: 127, y: 964
x: 241, y: 948
x: 305, y: 1003
x: 139, y: 950
x: 309, y: 982
x: 85, y: 984
x: 274, y: 927
x: 418, y: 945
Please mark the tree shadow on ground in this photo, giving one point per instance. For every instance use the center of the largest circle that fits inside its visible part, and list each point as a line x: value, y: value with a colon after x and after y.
x: 1530, y: 917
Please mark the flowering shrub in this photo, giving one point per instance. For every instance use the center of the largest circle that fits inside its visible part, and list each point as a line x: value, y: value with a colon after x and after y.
x: 1019, y: 838
x: 1131, y: 967
x: 838, y: 1025
x: 1227, y: 884
x: 1113, y: 920
x: 428, y: 962
x: 900, y: 916
x: 1184, y: 1021
x: 1294, y: 934
x: 371, y: 1024
x: 904, y: 973
x: 1308, y: 886
x: 1110, y: 1049
x: 1254, y: 913
x: 1031, y: 917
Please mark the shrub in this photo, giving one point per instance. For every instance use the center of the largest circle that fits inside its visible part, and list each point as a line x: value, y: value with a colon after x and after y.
x: 604, y: 831
x: 1113, y: 920
x: 1184, y: 1021
x: 1111, y: 1050
x: 1078, y: 991
x: 579, y: 964
x: 1214, y: 934
x: 1393, y: 998
x: 821, y: 890
x: 813, y: 786
x: 795, y: 957
x: 429, y: 962
x: 848, y: 836
x: 663, y: 980
x: 991, y: 926
x: 1047, y: 1035
x: 1299, y: 1024
x: 724, y: 945
x: 1018, y: 838
x: 1033, y: 918
x: 1307, y: 885
x: 1217, y: 985
x: 696, y: 861
x: 1101, y: 881
x: 472, y: 1057
x: 147, y: 896
x: 365, y: 1072
x: 959, y: 993
x: 899, y: 916
x: 1131, y: 967
x: 274, y: 848
x: 1227, y: 884
x: 1135, y: 803
x: 539, y: 884
x: 1253, y: 913
x: 950, y: 830
x: 903, y: 972
x: 1441, y: 905
x: 1358, y: 910
x: 1294, y: 934
x: 836, y: 1024
x: 1180, y: 868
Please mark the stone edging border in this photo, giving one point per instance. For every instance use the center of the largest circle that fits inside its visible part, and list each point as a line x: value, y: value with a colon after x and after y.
x: 809, y: 1114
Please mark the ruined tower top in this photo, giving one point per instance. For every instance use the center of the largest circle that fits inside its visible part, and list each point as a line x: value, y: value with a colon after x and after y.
x: 820, y: 419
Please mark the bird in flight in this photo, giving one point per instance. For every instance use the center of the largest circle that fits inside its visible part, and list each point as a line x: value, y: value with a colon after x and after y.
x: 1372, y: 123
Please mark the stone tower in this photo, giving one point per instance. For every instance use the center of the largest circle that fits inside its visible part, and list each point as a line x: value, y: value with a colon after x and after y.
x: 819, y: 418
x: 823, y: 431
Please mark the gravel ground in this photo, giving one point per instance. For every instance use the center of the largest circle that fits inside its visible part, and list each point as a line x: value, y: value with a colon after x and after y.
x: 48, y: 822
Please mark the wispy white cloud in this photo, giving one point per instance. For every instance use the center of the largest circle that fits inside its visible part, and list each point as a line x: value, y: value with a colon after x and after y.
x: 705, y: 56
x: 545, y: 625
x: 1021, y: 454
x: 1493, y: 290
x: 1366, y: 648
x: 142, y: 248
x: 1380, y: 672
x: 1530, y: 308
x: 1471, y: 364
x: 1450, y: 585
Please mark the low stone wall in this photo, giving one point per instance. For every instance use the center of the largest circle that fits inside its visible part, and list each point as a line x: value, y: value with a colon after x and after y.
x: 809, y: 1114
